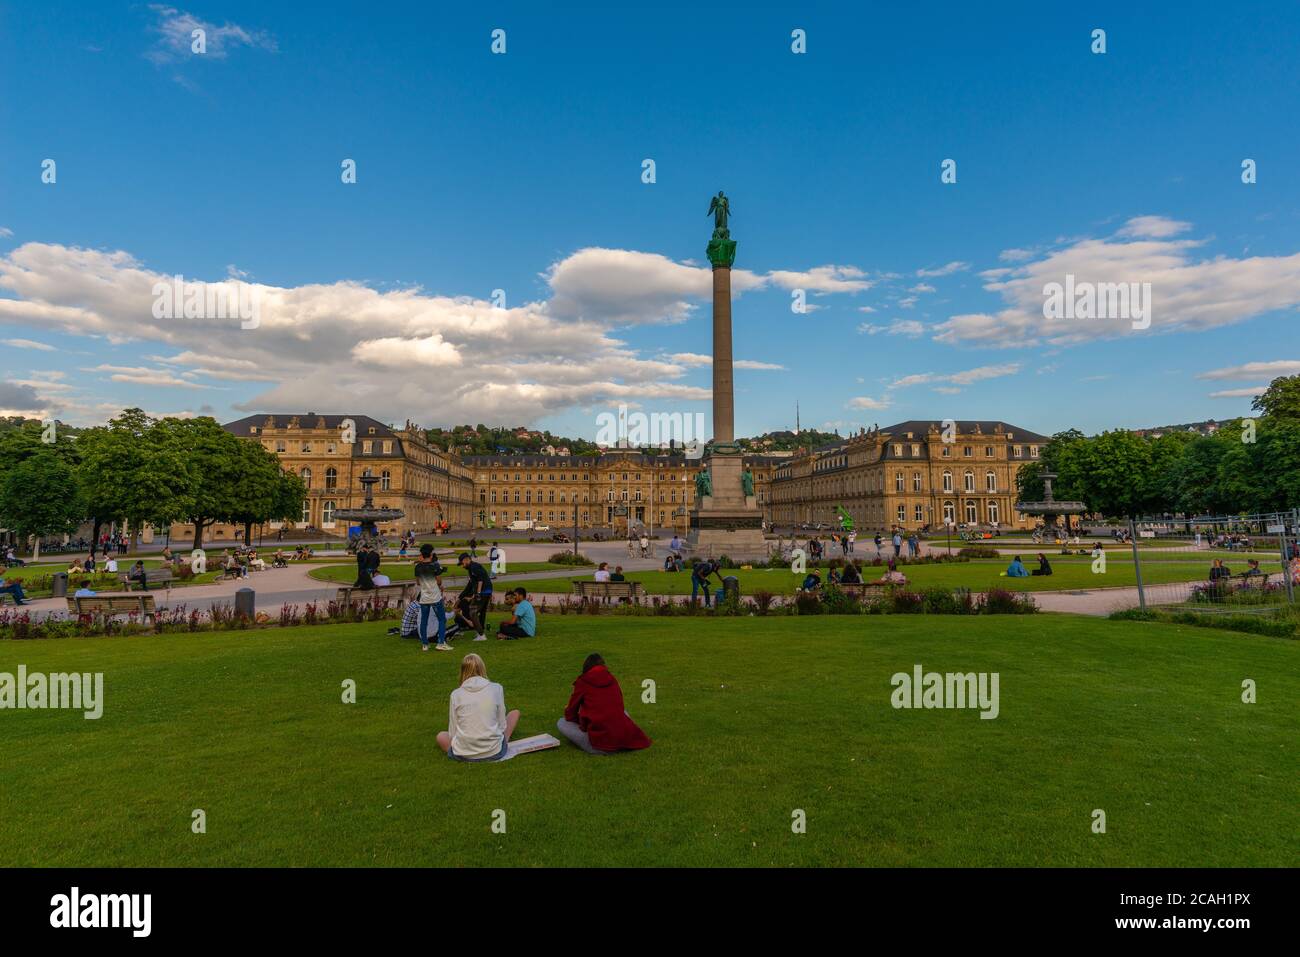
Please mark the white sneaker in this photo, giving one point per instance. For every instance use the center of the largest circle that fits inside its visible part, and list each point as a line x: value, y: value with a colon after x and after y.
x: 481, y: 638
x: 443, y: 647
x: 424, y: 647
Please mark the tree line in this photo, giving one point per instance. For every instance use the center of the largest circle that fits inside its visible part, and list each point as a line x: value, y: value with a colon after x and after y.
x: 1248, y: 466
x: 140, y: 470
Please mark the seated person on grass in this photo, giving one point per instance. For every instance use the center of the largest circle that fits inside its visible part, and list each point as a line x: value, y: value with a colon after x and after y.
x: 595, y: 718
x: 84, y: 590
x: 811, y: 582
x: 851, y: 576
x: 1252, y: 569
x: 833, y: 576
x: 1017, y: 569
x: 1044, y: 567
x: 523, y: 622
x: 479, y: 727
x: 893, y: 576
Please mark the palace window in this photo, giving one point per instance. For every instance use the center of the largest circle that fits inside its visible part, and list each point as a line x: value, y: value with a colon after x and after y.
x: 919, y: 513
x: 988, y: 451
x: 388, y: 447
x: 898, y: 450
x: 947, y: 481
x: 949, y: 513
x: 1033, y: 451
x: 916, y: 451
x: 386, y: 480
x: 993, y: 513
x: 898, y: 481
x: 968, y: 481
x: 331, y: 448
x: 902, y: 513
x: 967, y: 451
x: 279, y: 445
x: 327, y: 512
x: 916, y: 481
x: 367, y: 447
x: 990, y: 481
x: 331, y: 477
x: 946, y: 452
x: 306, y: 511
x: 305, y: 475
x: 971, y: 517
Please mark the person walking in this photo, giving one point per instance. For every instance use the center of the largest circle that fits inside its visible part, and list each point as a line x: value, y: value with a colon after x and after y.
x: 898, y: 544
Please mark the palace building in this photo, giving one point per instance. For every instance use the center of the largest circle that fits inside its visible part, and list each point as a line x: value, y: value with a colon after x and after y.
x: 427, y: 484
x: 911, y: 475
x: 618, y: 488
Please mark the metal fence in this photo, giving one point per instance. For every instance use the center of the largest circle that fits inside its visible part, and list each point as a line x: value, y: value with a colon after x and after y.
x: 1215, y: 563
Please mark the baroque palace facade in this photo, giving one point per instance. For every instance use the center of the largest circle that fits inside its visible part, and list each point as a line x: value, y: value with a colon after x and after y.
x: 617, y: 489
x: 426, y: 483
x: 911, y: 475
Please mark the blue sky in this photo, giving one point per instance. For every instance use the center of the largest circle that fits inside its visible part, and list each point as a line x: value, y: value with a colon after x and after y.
x: 522, y: 172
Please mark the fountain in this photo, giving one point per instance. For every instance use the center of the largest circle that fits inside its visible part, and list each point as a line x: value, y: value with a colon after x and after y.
x: 369, y: 515
x: 1049, y: 506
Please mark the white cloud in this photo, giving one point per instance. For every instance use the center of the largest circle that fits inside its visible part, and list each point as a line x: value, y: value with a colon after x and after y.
x: 1152, y: 227
x: 174, y: 30
x: 948, y: 382
x: 696, y: 359
x: 823, y: 279
x: 1188, y: 294
x: 921, y: 287
x: 27, y: 344
x: 947, y: 270
x: 1255, y: 370
x: 866, y: 402
x: 1247, y: 393
x: 1016, y: 255
x: 906, y: 327
x: 5, y: 232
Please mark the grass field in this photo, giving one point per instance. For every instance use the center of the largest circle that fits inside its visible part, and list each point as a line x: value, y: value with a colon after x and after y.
x: 754, y: 718
x: 977, y: 575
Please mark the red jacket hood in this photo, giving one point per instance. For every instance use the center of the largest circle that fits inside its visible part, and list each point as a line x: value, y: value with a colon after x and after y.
x: 597, y: 677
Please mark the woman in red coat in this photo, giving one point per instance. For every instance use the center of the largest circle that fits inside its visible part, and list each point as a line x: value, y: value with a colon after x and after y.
x: 595, y: 719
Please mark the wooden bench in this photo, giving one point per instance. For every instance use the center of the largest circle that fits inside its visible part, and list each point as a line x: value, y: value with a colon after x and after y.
x: 113, y: 605
x: 607, y: 590
x: 152, y: 577
x: 858, y: 589
x: 398, y: 593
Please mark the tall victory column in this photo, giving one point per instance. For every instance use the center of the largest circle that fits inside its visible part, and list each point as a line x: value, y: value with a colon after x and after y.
x: 726, y: 519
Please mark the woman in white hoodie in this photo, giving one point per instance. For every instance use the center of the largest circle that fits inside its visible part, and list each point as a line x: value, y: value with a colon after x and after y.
x: 479, y: 727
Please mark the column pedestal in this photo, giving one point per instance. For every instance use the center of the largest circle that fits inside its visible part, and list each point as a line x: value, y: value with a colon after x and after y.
x: 727, y: 522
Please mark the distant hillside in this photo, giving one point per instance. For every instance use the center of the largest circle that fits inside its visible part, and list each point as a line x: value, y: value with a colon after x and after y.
x: 1208, y: 427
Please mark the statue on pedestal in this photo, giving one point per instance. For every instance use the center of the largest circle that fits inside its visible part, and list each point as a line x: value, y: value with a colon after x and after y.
x: 703, y: 485
x: 747, y: 482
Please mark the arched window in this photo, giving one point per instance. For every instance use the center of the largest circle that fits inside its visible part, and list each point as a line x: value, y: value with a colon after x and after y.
x: 306, y: 511
x: 971, y: 516
x: 949, y: 513
x: 327, y: 512
x: 305, y: 475
x: 991, y: 481
x: 993, y: 513
x: 386, y: 480
x: 947, y: 482
x: 331, y: 478
x: 968, y: 481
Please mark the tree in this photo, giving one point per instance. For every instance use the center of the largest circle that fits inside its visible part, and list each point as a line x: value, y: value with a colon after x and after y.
x: 133, y: 470
x: 1281, y: 399
x: 40, y: 496
x: 216, y: 461
x: 263, y: 491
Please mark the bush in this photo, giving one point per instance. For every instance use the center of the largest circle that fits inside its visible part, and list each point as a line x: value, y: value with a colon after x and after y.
x: 978, y: 551
x: 999, y: 601
x: 808, y: 603
x: 901, y: 602
x: 569, y: 558
x: 941, y: 601
x: 761, y: 603
x: 838, y: 602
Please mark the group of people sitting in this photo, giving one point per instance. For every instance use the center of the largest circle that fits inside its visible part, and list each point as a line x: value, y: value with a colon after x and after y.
x: 1221, y: 572
x: 595, y: 719
x: 850, y: 575
x: 1017, y: 568
x: 471, y: 606
x: 88, y: 565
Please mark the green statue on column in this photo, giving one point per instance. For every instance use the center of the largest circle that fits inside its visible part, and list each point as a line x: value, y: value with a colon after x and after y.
x: 722, y: 248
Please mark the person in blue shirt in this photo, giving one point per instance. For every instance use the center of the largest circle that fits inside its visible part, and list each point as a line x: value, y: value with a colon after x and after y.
x: 12, y: 587
x: 84, y: 591
x: 523, y: 623
x: 700, y: 574
x: 1016, y: 569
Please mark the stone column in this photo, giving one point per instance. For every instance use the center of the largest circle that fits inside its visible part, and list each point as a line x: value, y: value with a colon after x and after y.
x: 724, y: 421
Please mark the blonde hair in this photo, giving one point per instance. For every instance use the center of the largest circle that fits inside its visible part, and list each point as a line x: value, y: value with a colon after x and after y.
x: 470, y: 666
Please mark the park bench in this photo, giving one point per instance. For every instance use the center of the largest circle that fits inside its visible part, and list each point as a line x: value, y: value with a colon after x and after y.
x: 113, y: 605
x: 858, y: 589
x: 607, y: 590
x: 152, y: 577
x: 397, y: 593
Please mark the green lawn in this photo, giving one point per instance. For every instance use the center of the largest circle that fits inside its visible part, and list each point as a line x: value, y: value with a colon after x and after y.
x: 100, y: 580
x: 405, y: 571
x: 979, y: 575
x: 755, y: 717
